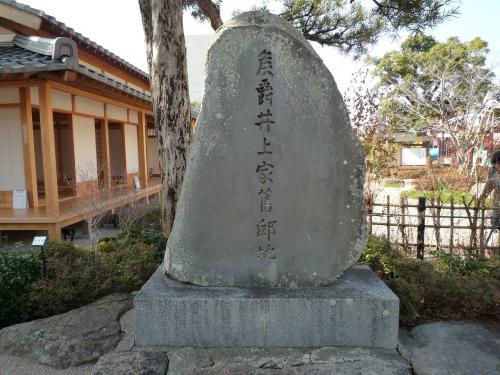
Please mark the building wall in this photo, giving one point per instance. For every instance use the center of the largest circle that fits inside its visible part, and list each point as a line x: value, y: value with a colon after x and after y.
x: 117, y: 113
x: 85, y: 148
x: 61, y: 100
x: 9, y: 95
x: 196, y: 50
x: 133, y: 117
x: 131, y: 149
x: 34, y: 95
x: 11, y: 148
x: 89, y: 106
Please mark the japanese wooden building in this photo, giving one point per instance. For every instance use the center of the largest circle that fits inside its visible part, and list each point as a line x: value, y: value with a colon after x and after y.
x: 72, y: 115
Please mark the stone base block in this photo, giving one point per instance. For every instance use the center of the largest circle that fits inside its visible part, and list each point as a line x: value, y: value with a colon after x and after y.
x: 357, y: 310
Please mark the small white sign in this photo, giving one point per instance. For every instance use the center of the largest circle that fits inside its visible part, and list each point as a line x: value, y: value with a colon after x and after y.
x: 19, y: 199
x: 137, y: 183
x: 39, y: 241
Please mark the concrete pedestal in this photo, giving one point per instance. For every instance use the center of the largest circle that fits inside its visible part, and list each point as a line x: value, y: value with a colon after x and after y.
x: 357, y: 310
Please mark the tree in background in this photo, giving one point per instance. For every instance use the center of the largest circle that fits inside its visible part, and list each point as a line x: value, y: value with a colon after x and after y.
x: 348, y: 25
x: 439, y: 87
x: 363, y: 104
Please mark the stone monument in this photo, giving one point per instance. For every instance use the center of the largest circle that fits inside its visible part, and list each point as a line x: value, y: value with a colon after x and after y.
x: 271, y: 210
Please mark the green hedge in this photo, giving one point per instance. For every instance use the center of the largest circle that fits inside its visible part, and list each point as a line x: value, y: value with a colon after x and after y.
x: 74, y: 276
x: 17, y: 272
x: 445, y: 287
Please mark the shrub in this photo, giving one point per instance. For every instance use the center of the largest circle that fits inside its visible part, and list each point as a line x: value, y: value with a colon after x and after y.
x: 411, y: 173
x: 445, y: 287
x: 74, y: 276
x: 152, y: 220
x: 444, y: 179
x: 134, y: 236
x: 17, y: 271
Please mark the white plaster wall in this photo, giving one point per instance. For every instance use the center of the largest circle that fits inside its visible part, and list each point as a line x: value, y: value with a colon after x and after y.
x: 117, y: 113
x: 9, y: 95
x: 89, y: 106
x: 61, y: 100
x: 131, y: 149
x: 11, y: 150
x: 85, y: 148
x: 133, y: 117
x: 34, y: 95
x: 153, y: 155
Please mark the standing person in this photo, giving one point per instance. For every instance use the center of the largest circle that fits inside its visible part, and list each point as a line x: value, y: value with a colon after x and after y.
x: 493, y: 184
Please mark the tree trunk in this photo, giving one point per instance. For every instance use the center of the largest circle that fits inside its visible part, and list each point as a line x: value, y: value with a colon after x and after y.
x: 166, y: 53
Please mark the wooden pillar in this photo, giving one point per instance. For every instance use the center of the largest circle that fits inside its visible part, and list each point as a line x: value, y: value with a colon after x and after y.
x: 105, y: 149
x: 143, y: 159
x: 48, y: 150
x: 54, y: 232
x: 421, y: 228
x: 28, y: 146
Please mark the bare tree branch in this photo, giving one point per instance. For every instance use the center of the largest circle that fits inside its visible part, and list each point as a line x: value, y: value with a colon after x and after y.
x: 211, y: 12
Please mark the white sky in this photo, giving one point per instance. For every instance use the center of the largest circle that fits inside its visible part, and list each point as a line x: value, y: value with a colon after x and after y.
x: 116, y: 25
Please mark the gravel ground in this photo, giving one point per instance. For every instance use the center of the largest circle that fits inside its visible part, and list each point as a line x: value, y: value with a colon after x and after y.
x: 11, y: 365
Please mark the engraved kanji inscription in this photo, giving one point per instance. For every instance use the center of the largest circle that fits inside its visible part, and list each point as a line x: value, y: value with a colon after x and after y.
x: 265, y: 91
x: 265, y: 63
x: 266, y: 252
x: 266, y: 229
x: 264, y: 171
x: 265, y: 147
x: 265, y: 120
x: 266, y: 204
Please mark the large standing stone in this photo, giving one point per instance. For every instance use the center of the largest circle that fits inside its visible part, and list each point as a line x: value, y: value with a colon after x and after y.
x: 271, y: 211
x: 272, y: 194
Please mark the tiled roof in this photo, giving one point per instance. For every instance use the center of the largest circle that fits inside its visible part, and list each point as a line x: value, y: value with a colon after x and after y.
x: 35, y: 54
x: 75, y: 35
x: 111, y: 82
x: 15, y: 59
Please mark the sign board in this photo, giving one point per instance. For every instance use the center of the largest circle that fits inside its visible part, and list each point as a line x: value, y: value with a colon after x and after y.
x: 413, y: 156
x: 39, y: 241
x: 447, y: 161
x: 19, y: 199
